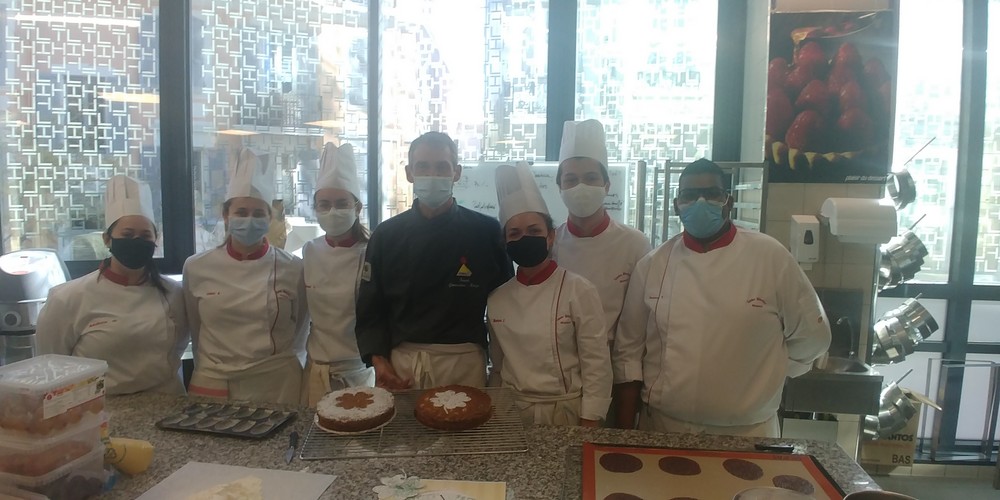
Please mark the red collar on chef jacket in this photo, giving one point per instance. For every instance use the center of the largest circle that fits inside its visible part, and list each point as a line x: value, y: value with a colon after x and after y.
x: 253, y: 256
x: 721, y: 241
x: 115, y: 277
x: 349, y: 242
x: 578, y: 231
x: 539, y: 277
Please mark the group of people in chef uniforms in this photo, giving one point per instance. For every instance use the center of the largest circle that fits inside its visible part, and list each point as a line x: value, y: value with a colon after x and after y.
x: 697, y: 335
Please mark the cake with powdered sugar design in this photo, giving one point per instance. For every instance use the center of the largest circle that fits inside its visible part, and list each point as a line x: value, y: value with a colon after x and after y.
x: 355, y: 409
x: 453, y: 408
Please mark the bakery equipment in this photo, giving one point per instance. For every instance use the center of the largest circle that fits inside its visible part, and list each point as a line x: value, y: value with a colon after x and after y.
x: 26, y: 277
x: 899, y: 331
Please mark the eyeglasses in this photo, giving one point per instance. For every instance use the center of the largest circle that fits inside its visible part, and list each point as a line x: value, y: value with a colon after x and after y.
x: 691, y: 195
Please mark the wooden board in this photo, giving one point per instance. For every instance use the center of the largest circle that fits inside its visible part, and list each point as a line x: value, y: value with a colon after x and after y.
x: 667, y: 473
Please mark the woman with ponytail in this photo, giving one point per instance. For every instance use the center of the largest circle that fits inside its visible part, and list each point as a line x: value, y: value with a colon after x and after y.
x: 126, y: 312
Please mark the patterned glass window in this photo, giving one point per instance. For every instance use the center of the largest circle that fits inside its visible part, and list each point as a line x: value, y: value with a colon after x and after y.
x: 988, y: 246
x: 79, y: 93
x: 646, y: 69
x: 927, y: 106
x: 474, y: 69
x: 282, y: 77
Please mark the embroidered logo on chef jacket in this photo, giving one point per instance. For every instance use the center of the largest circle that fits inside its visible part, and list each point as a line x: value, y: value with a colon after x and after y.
x: 623, y: 277
x: 96, y: 323
x: 462, y: 276
x: 463, y: 269
x: 757, y: 302
x: 497, y: 320
x: 565, y: 319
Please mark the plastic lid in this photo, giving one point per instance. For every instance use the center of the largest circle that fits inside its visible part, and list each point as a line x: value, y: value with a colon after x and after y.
x: 49, y: 370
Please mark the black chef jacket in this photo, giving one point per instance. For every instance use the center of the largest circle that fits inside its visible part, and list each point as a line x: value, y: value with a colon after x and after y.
x: 426, y: 280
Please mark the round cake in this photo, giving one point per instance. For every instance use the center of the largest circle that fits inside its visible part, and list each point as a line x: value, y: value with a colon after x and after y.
x: 355, y: 409
x: 453, y: 408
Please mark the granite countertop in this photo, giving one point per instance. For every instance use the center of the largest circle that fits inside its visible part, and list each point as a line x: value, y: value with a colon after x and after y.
x: 536, y: 474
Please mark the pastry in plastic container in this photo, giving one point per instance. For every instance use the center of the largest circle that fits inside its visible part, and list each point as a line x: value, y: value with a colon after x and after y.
x: 33, y: 458
x: 50, y: 394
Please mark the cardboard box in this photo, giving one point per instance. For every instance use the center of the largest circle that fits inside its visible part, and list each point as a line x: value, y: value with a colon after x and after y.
x: 897, y: 449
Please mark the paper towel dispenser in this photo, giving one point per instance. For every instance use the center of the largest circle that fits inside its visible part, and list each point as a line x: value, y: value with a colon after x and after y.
x: 859, y: 220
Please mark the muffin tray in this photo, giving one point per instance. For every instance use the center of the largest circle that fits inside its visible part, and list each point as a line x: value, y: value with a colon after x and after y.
x: 227, y: 420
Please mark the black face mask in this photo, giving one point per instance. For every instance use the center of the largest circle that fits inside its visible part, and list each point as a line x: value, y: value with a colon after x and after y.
x: 133, y: 253
x: 528, y: 251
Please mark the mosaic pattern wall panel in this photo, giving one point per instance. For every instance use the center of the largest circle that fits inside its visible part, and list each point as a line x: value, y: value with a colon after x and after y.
x: 79, y: 95
x: 282, y: 77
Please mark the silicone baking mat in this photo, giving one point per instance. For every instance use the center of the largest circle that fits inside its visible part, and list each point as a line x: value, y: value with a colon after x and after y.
x: 665, y: 473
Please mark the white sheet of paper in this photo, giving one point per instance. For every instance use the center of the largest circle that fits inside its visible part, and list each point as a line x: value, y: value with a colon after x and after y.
x: 195, y: 477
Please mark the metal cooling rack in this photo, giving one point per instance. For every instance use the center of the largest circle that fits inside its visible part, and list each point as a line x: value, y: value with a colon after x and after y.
x: 405, y: 437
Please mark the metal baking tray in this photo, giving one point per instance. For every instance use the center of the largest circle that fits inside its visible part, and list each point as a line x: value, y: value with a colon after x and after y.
x: 405, y: 437
x: 227, y: 420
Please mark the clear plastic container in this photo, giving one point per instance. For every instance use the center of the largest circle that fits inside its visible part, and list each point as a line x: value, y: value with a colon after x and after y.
x: 82, y: 478
x: 37, y: 457
x: 49, y: 394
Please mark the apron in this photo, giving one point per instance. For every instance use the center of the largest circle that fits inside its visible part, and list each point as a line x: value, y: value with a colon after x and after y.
x: 320, y: 379
x: 563, y: 409
x: 434, y: 365
x: 277, y: 380
x: 653, y: 420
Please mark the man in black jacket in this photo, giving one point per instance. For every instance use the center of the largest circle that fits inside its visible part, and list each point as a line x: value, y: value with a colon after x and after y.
x: 428, y: 271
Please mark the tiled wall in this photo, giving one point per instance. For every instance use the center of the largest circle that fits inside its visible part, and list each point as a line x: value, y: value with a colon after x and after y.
x: 841, y: 265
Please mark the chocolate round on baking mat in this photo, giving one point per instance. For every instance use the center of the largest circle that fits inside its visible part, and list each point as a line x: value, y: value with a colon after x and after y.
x: 622, y: 496
x: 794, y: 483
x: 743, y: 469
x: 679, y: 466
x: 620, y: 462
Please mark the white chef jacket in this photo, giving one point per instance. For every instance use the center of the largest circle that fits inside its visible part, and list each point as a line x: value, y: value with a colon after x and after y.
x: 548, y: 339
x: 140, y: 332
x: 605, y: 259
x: 247, y: 314
x: 713, y: 334
x: 332, y: 275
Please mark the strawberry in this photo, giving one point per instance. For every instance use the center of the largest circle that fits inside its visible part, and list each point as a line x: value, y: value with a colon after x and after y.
x: 779, y: 114
x: 851, y: 96
x: 811, y: 55
x: 798, y: 78
x: 848, y: 56
x: 806, y: 131
x: 875, y: 73
x: 777, y: 73
x: 855, y: 130
x: 814, y: 96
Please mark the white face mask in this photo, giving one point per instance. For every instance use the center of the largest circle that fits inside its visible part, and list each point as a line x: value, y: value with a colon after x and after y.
x: 433, y: 191
x: 249, y: 230
x: 583, y: 200
x: 337, y: 221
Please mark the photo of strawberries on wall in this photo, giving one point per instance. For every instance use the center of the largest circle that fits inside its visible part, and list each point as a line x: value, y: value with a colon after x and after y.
x: 830, y: 82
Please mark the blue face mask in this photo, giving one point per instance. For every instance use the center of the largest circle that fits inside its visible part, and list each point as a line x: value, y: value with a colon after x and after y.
x: 702, y: 218
x: 248, y: 230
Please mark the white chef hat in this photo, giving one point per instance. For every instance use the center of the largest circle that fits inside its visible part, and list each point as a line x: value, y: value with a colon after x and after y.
x: 127, y: 196
x: 584, y: 139
x: 250, y: 175
x: 517, y: 191
x: 338, y: 170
